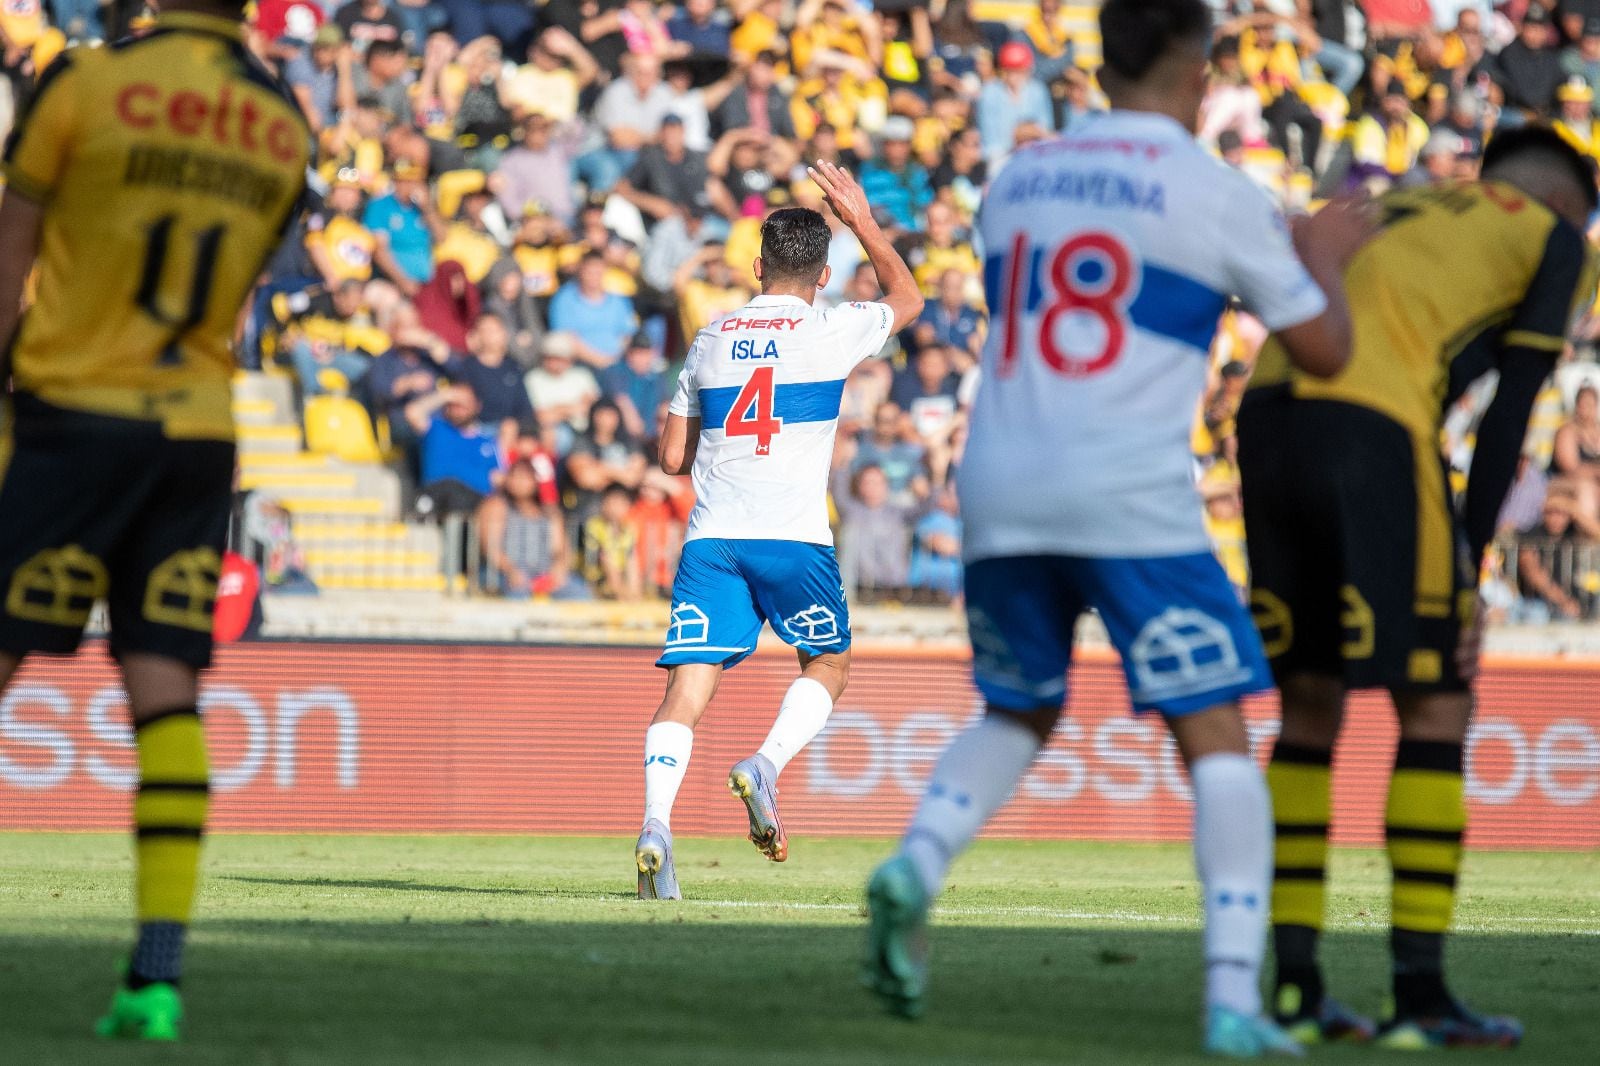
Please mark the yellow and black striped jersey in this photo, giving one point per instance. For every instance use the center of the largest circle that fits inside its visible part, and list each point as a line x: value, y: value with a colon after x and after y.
x: 1457, y: 271
x: 168, y: 167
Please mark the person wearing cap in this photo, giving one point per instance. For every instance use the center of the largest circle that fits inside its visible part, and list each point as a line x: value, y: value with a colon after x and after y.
x: 1013, y: 106
x: 561, y: 389
x: 637, y: 385
x: 321, y: 78
x: 1387, y: 142
x: 338, y: 243
x: 406, y: 226
x: 666, y: 176
x: 1528, y: 70
x: 1439, y: 160
x: 1575, y: 119
x: 894, y: 180
x: 1582, y: 60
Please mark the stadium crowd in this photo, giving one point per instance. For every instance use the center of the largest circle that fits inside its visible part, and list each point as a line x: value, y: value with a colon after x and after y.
x: 526, y: 210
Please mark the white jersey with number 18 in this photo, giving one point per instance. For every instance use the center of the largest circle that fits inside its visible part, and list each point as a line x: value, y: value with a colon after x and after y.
x: 766, y: 382
x: 1112, y: 252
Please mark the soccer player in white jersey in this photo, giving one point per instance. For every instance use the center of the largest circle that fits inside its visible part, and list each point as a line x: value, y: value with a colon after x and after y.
x: 754, y: 418
x: 1112, y: 252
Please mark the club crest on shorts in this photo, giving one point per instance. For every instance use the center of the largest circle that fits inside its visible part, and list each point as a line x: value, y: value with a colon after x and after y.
x: 689, y: 625
x: 1184, y: 652
x: 814, y: 625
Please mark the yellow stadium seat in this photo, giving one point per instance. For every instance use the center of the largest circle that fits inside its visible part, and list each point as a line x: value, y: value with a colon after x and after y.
x: 339, y: 426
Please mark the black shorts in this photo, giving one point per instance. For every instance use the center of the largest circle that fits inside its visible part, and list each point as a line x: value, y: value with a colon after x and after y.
x: 1358, y: 568
x: 94, y: 507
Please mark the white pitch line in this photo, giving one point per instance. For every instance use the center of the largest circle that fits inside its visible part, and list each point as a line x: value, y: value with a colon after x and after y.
x: 1131, y: 917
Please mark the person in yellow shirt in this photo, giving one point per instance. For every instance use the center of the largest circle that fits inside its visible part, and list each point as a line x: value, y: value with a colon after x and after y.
x: 467, y: 240
x: 1576, y: 122
x: 148, y: 182
x: 942, y: 249
x: 558, y: 69
x: 707, y: 288
x: 341, y: 247
x: 835, y: 97
x: 1386, y: 144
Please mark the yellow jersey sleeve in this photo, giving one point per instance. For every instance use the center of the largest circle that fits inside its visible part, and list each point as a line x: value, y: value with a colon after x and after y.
x: 40, y: 146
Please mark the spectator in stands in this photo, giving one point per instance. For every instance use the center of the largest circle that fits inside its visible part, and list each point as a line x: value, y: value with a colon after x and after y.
x: 406, y: 224
x: 757, y: 104
x: 1528, y: 70
x: 1577, y: 444
x: 1439, y: 160
x: 1575, y: 120
x: 667, y: 176
x: 524, y: 540
x: 700, y: 27
x: 559, y: 68
x: 322, y: 78
x: 895, y: 181
x: 1582, y: 60
x: 363, y: 22
x: 460, y: 456
x: 707, y: 289
x: 935, y: 570
x: 600, y: 321
x: 509, y: 299
x: 449, y: 304
x: 945, y: 247
x: 637, y: 385
x: 874, y: 535
x: 381, y: 78
x: 659, y: 527
x: 865, y: 390
x: 1013, y: 107
x: 961, y: 176
x: 1555, y: 558
x: 1386, y: 143
x: 1524, y: 504
x: 926, y: 392
x: 339, y: 245
x: 561, y: 389
x: 605, y: 454
x: 325, y: 337
x: 611, y: 560
x: 494, y: 378
x: 628, y: 115
x: 470, y: 238
x: 886, y: 444
x: 536, y: 175
x: 508, y: 21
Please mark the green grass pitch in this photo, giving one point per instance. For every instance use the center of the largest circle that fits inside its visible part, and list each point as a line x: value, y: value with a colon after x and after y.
x: 488, y: 950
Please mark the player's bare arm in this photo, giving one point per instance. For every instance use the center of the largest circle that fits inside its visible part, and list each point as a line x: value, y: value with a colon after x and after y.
x: 20, y: 219
x: 849, y: 202
x: 679, y: 442
x: 1326, y: 242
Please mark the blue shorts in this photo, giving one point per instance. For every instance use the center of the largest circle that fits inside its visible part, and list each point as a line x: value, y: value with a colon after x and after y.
x: 1186, y: 642
x: 724, y: 588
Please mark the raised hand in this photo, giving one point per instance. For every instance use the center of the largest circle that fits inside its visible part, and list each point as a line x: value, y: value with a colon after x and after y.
x: 842, y: 194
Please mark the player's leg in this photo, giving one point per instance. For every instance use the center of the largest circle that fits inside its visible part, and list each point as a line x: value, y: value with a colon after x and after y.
x: 1190, y: 651
x: 797, y: 588
x: 714, y: 625
x: 163, y: 585
x: 1424, y: 821
x: 1021, y: 614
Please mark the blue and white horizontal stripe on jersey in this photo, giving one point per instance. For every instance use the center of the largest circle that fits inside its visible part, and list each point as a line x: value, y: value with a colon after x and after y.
x: 792, y: 402
x: 1168, y: 304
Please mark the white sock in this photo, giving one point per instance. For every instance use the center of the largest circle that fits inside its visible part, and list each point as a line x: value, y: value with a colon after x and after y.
x: 666, y: 760
x: 972, y: 780
x: 1233, y: 855
x: 802, y: 715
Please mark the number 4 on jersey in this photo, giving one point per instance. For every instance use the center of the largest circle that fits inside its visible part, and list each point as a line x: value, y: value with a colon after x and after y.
x: 751, y: 414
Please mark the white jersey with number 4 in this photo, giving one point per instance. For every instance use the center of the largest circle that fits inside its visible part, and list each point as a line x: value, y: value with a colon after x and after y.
x: 766, y: 382
x: 1112, y: 252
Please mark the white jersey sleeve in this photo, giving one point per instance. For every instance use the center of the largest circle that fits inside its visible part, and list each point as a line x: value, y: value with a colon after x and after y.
x: 686, y: 397
x: 861, y: 330
x: 1266, y: 273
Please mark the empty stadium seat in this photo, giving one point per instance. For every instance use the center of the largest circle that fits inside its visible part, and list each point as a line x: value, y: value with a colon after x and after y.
x: 339, y: 426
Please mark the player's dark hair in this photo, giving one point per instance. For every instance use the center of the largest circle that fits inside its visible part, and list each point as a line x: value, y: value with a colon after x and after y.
x: 1543, y: 145
x: 1136, y: 34
x: 794, y: 246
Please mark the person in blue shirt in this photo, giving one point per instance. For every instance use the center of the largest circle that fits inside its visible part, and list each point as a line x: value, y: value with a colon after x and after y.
x: 955, y: 322
x: 936, y: 547
x: 1013, y: 103
x: 460, y: 456
x: 601, y: 321
x: 896, y: 182
x: 637, y: 386
x: 406, y: 225
x: 699, y: 25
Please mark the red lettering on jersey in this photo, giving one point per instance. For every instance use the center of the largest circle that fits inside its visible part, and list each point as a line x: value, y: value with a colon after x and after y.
x: 191, y: 114
x: 186, y: 112
x: 142, y: 118
x: 731, y: 325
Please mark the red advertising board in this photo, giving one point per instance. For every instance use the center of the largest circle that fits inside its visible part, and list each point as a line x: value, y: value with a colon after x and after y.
x: 350, y: 737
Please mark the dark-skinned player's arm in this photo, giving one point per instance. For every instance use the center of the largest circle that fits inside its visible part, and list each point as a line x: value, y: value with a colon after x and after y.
x: 1529, y: 349
x: 1326, y: 242
x: 849, y: 202
x: 20, y: 222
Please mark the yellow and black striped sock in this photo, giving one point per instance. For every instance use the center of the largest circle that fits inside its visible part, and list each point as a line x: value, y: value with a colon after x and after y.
x: 169, y: 817
x: 1425, y: 819
x: 1301, y: 780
